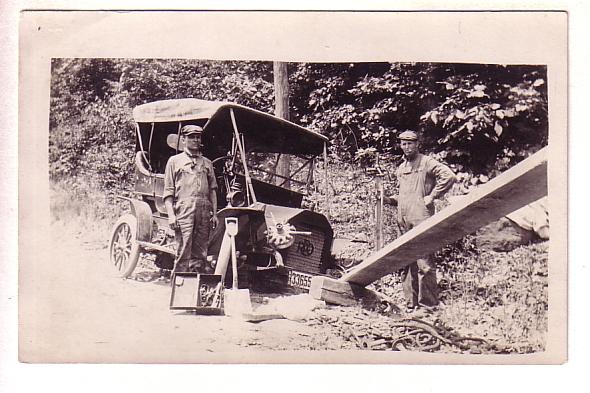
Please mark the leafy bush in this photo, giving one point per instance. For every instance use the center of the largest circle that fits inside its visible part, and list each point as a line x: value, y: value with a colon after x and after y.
x: 98, y: 148
x: 484, y: 117
x: 495, y: 122
x: 481, y: 118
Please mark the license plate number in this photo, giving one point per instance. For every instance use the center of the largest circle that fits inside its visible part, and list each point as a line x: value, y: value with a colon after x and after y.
x: 299, y: 280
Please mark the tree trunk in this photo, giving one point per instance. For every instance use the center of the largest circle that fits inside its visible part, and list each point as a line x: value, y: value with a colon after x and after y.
x: 281, y: 81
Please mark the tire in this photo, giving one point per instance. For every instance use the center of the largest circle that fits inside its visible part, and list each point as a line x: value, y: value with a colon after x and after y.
x: 123, y: 248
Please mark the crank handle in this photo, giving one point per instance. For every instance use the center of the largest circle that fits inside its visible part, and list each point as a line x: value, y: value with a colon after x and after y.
x: 300, y: 233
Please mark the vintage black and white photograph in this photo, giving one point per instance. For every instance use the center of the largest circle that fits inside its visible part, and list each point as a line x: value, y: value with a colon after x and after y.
x: 371, y: 208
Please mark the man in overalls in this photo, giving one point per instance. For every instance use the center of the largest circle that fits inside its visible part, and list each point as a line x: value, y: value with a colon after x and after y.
x: 190, y: 197
x: 421, y: 179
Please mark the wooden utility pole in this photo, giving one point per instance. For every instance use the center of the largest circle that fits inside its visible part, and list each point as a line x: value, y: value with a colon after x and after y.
x: 281, y: 82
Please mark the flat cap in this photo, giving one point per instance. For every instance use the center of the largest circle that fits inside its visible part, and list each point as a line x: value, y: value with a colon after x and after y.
x: 408, y: 136
x: 190, y: 129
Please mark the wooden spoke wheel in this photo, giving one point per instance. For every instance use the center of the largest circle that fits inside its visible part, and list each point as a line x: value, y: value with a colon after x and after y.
x: 123, y: 249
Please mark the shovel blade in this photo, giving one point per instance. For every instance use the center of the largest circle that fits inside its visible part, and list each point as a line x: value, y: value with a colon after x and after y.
x: 237, y: 302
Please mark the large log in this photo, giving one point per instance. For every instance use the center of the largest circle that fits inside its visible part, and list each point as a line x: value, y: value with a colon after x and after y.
x: 513, y: 189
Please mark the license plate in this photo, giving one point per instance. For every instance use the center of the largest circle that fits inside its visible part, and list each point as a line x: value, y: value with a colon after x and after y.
x: 299, y: 280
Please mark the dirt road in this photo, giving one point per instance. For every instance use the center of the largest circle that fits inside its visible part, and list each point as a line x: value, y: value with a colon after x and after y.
x: 76, y: 309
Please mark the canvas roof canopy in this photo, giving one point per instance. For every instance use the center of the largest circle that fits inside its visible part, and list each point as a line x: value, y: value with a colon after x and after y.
x: 175, y: 110
x: 262, y: 132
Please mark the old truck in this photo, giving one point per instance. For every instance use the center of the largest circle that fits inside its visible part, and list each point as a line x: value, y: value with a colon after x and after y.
x: 279, y: 242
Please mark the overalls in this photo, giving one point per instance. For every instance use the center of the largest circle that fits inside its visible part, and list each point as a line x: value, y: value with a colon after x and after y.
x: 191, y: 180
x: 418, y: 178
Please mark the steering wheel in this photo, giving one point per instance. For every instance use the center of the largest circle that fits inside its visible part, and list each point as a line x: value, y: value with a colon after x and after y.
x: 223, y: 166
x: 224, y: 173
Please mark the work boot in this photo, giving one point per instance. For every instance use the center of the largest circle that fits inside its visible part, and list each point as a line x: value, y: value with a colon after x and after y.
x: 428, y: 309
x: 410, y: 308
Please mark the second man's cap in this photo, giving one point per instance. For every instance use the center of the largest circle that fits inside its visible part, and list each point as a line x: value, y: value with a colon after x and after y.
x: 408, y: 136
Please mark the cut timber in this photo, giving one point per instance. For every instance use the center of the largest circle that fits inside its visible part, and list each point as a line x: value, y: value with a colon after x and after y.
x: 344, y: 293
x: 513, y: 189
x: 335, y: 291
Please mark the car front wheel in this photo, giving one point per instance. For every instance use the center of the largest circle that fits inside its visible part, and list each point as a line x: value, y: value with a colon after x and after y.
x: 123, y: 249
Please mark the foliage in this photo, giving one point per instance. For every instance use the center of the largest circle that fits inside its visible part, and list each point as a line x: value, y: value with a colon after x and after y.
x: 484, y: 118
x: 246, y: 83
x: 98, y: 148
x: 75, y: 83
x: 480, y: 118
x: 92, y: 136
x: 490, y: 118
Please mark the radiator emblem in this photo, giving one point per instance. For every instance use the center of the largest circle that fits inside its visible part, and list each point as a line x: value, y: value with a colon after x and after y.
x: 305, y: 247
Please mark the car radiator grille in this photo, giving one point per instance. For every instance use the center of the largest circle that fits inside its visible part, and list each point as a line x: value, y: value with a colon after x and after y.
x: 306, y: 252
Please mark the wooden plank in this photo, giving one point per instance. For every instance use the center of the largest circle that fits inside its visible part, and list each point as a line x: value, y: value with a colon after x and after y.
x: 513, y: 189
x: 345, y: 293
x: 331, y: 297
x: 335, y: 291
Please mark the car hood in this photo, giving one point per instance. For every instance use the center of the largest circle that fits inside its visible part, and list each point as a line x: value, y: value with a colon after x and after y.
x: 274, y: 213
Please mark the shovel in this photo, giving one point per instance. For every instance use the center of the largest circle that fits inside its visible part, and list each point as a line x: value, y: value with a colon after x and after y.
x: 236, y: 301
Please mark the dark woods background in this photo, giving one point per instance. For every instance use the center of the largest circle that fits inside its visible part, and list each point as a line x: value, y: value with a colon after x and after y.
x: 479, y: 118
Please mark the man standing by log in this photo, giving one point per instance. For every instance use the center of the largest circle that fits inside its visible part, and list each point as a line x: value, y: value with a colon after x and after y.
x: 190, y: 197
x: 421, y: 180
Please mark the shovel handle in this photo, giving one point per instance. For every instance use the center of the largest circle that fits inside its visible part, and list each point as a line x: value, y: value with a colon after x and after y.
x: 234, y: 262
